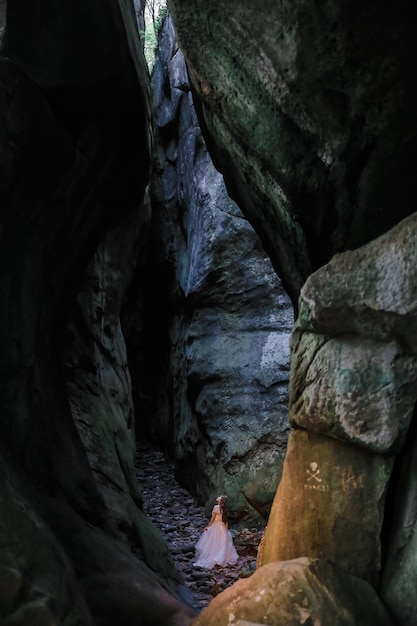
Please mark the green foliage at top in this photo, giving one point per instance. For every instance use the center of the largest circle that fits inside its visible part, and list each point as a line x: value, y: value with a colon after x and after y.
x: 155, y: 14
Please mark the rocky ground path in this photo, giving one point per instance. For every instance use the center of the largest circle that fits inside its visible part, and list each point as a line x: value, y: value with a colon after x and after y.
x: 181, y: 520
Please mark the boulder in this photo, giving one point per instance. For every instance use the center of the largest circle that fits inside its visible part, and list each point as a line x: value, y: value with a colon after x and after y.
x: 300, y: 591
x: 354, y: 350
x: 369, y: 291
x: 353, y: 388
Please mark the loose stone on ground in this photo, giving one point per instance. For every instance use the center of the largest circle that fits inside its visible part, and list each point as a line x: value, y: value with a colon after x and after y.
x: 181, y: 520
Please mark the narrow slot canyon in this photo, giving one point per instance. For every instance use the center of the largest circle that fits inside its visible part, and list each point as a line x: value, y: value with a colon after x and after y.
x: 208, y: 287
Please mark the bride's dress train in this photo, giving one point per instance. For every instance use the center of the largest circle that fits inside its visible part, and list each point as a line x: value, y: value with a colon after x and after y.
x: 215, y: 546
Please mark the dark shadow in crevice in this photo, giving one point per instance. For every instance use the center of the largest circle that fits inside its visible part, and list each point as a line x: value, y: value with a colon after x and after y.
x: 396, y: 501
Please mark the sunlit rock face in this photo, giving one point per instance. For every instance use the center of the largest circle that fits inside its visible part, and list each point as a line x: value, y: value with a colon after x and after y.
x: 227, y: 419
x: 330, y: 505
x: 311, y: 119
x: 74, y: 162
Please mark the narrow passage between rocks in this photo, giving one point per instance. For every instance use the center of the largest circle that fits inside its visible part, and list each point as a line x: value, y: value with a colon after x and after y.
x: 181, y: 520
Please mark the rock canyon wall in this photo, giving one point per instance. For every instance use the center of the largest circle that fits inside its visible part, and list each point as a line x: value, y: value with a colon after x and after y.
x: 115, y: 315
x: 312, y: 120
x: 223, y: 407
x: 75, y: 156
x: 309, y: 117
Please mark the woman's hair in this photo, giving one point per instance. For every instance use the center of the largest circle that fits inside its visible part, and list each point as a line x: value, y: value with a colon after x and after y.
x: 223, y: 509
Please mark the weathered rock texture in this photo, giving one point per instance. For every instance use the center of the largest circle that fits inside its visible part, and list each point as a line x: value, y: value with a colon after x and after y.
x: 336, y: 494
x: 226, y: 421
x: 302, y: 591
x: 354, y: 378
x: 309, y: 109
x: 399, y: 574
x: 354, y: 372
x: 312, y: 122
x: 74, y: 161
x: 99, y: 390
x: 310, y: 115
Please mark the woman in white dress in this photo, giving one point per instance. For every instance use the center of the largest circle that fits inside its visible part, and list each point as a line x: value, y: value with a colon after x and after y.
x: 215, y: 546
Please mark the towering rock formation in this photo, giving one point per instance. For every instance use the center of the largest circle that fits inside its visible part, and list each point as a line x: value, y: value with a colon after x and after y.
x: 312, y: 122
x: 310, y: 118
x: 222, y: 408
x: 309, y: 111
x: 75, y: 152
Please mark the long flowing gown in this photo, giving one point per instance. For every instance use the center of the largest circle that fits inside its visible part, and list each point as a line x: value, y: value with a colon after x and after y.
x: 215, y: 546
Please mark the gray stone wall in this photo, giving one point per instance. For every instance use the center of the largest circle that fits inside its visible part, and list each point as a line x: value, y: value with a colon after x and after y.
x: 227, y: 420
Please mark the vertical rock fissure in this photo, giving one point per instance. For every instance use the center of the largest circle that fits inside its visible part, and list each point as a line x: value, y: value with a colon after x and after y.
x: 221, y: 404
